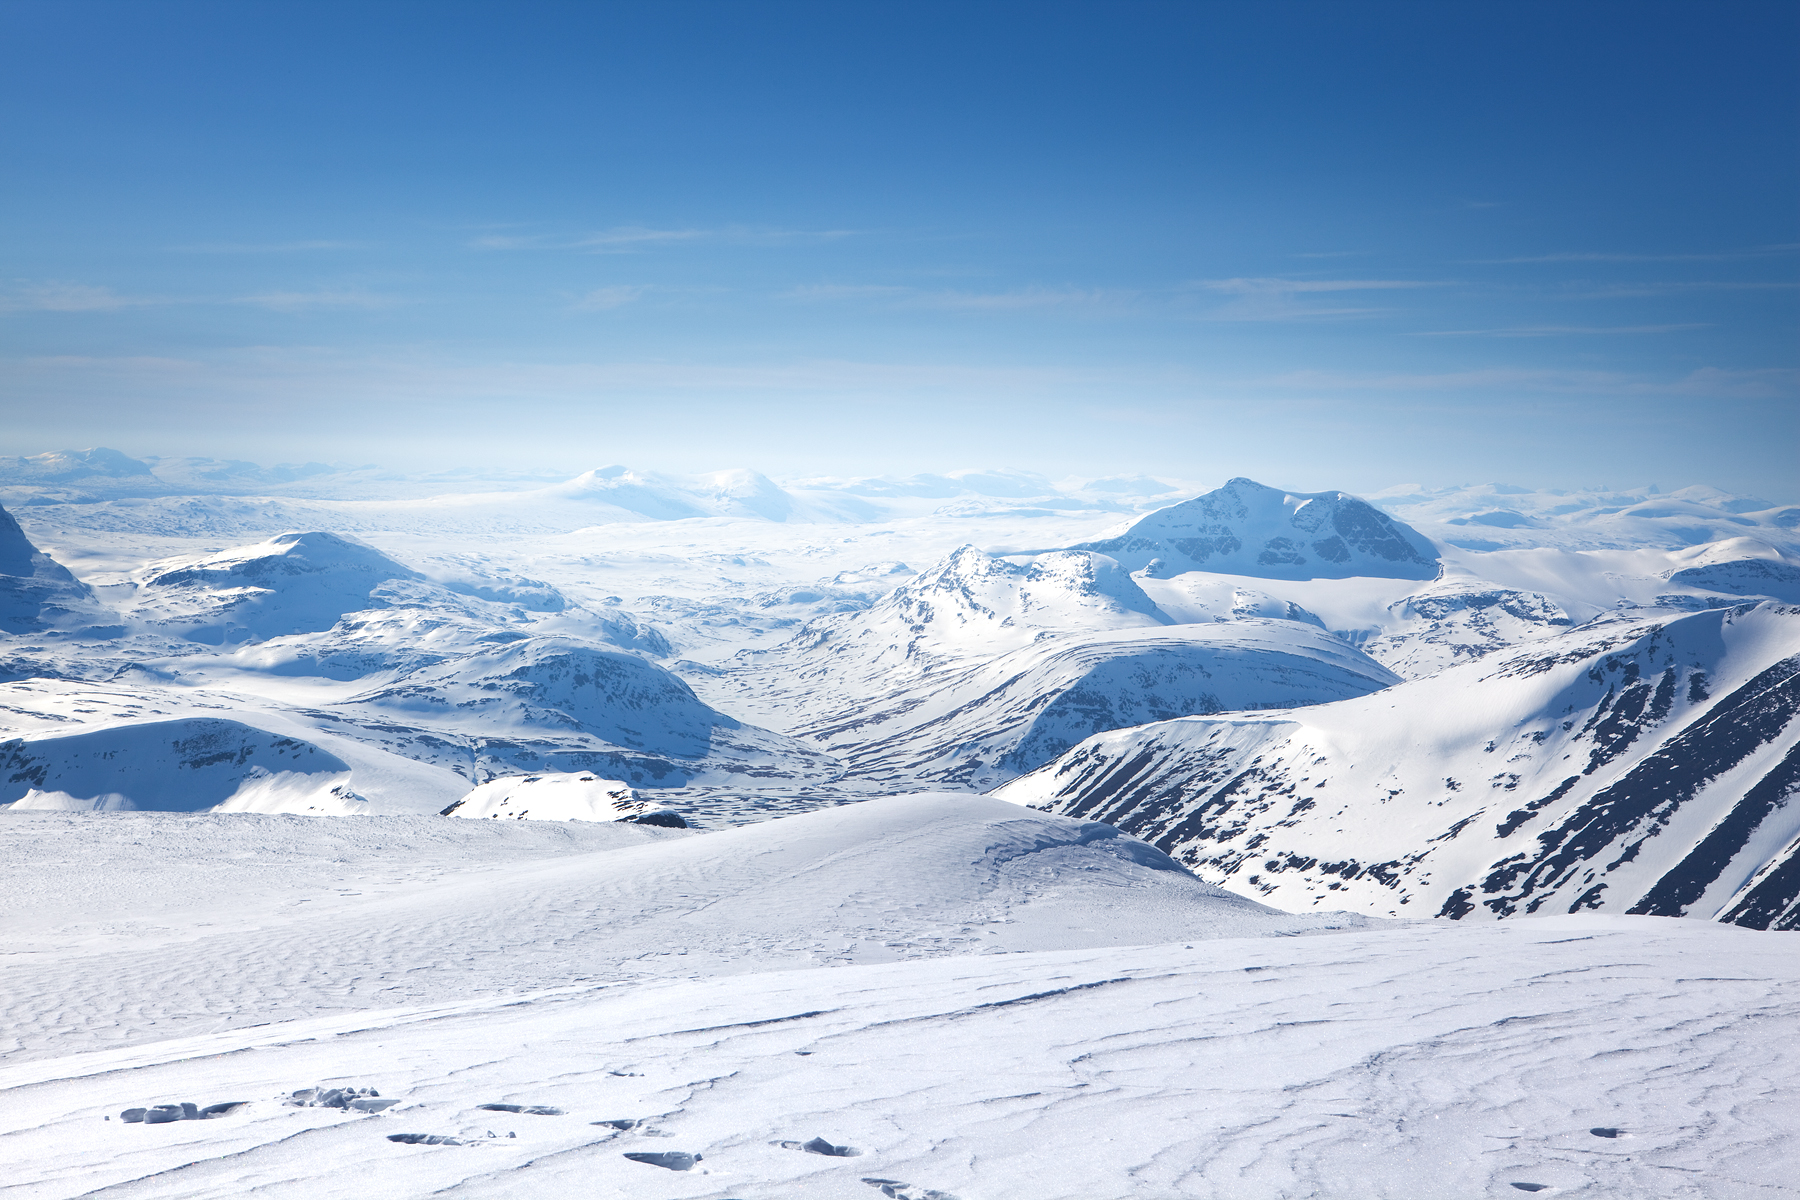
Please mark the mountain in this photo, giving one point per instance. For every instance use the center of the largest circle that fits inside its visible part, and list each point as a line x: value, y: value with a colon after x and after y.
x: 74, y: 466
x: 187, y: 765
x: 557, y: 704
x: 1245, y: 528
x: 980, y: 725
x: 38, y: 594
x: 291, y: 583
x: 1631, y: 765
x: 560, y: 797
x: 979, y: 669
x: 1495, y: 516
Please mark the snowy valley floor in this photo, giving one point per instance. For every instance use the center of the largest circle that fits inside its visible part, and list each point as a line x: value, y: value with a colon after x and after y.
x: 983, y: 1001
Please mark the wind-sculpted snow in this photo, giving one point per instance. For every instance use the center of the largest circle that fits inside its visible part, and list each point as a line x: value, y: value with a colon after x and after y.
x: 1626, y: 766
x: 1245, y: 528
x: 187, y: 765
x: 1589, y: 1056
x: 888, y: 880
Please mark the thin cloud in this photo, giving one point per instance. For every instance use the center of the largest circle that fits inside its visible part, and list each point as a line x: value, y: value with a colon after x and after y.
x: 616, y: 296
x: 70, y: 298
x: 626, y: 239
x: 270, y: 247
x: 1276, y: 299
x: 1271, y: 286
x: 1001, y: 301
x: 1592, y: 256
x: 1531, y: 331
x: 1670, y: 287
x: 298, y: 301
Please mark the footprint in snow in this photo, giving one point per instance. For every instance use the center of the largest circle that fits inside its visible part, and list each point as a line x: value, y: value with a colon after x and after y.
x: 905, y: 1191
x: 820, y: 1146
x: 674, y: 1160
x: 161, y: 1114
x: 352, y: 1099
x: 530, y: 1110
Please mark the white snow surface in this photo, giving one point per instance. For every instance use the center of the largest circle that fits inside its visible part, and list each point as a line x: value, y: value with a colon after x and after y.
x: 562, y: 796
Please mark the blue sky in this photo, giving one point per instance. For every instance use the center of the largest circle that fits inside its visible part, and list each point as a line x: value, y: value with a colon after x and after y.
x: 1331, y: 244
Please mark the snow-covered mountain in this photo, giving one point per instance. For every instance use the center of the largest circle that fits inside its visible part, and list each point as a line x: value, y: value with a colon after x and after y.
x: 1494, y: 516
x: 191, y: 764
x: 38, y: 594
x: 1632, y: 765
x: 555, y: 704
x: 1245, y: 528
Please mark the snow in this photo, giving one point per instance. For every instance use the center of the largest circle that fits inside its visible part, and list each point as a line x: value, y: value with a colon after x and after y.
x: 214, y: 662
x: 555, y: 797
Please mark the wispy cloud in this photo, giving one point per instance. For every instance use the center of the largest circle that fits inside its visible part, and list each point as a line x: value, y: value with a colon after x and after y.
x: 1607, y: 256
x: 69, y: 298
x: 1611, y: 291
x: 1012, y: 299
x: 627, y: 239
x: 270, y: 247
x: 1277, y: 299
x: 1535, y: 331
x: 298, y: 301
x: 1717, y: 382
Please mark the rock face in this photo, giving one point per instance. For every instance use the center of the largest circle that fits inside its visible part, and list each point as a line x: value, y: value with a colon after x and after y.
x: 37, y: 593
x: 1640, y: 766
x: 193, y: 764
x: 1245, y: 528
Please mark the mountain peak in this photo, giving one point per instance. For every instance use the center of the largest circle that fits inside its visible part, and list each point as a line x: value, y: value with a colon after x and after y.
x: 1249, y: 528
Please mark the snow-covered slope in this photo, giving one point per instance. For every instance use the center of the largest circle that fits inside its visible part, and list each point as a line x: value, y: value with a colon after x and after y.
x: 561, y: 796
x: 556, y: 704
x: 1629, y: 766
x: 1589, y: 1055
x: 888, y: 880
x: 980, y: 669
x: 1245, y: 528
x: 182, y: 765
x: 1495, y: 516
x: 39, y: 595
x: 291, y: 583
x: 979, y: 725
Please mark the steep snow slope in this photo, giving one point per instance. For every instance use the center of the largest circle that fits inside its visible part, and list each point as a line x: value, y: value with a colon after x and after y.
x: 1628, y: 766
x: 979, y: 725
x: 38, y: 594
x: 1245, y: 528
x: 894, y: 879
x: 184, y: 765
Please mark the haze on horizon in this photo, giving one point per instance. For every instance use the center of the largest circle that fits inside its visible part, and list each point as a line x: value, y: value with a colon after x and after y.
x: 1324, y: 245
